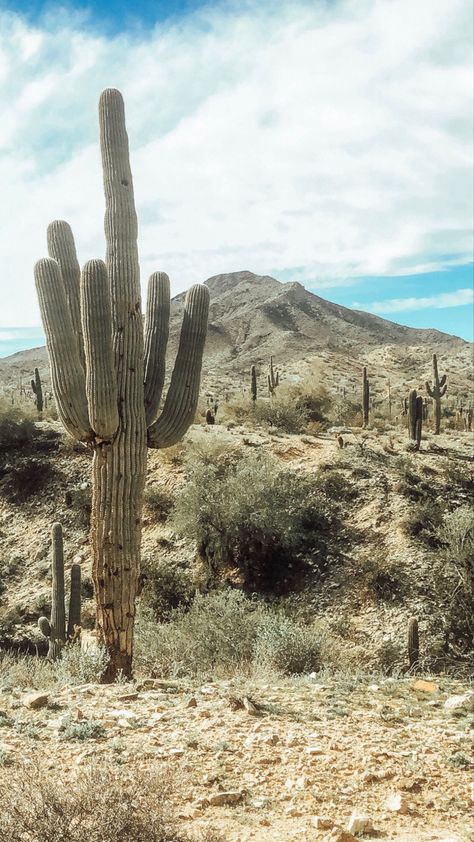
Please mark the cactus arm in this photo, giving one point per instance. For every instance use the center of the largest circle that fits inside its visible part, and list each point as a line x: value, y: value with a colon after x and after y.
x: 67, y: 373
x: 156, y: 340
x: 101, y: 386
x: 181, y: 401
x: 442, y: 391
x: 429, y: 390
x: 33, y: 387
x: 61, y: 247
x: 442, y: 381
x: 74, y: 616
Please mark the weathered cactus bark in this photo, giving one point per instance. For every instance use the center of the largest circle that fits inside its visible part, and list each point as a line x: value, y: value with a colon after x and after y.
x: 437, y: 391
x: 365, y: 398
x: 107, y: 378
x: 55, y: 628
x: 37, y: 391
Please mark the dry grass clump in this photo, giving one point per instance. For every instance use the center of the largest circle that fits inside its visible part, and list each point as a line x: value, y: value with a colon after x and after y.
x: 96, y: 804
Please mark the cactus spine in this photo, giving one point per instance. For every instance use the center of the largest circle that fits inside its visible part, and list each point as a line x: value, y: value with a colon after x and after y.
x: 437, y: 391
x: 108, y: 377
x: 413, y: 642
x: 365, y: 398
x: 55, y: 628
x: 253, y: 383
x: 37, y: 391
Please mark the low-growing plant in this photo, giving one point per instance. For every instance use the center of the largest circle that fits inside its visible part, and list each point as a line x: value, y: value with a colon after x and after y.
x: 268, y: 522
x: 283, y: 414
x: 31, y: 476
x: 101, y: 806
x: 159, y: 500
x: 167, y: 587
x: 16, y: 430
x: 84, y: 729
x: 423, y: 522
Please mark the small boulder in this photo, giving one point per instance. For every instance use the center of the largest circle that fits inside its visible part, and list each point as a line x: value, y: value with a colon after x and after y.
x: 35, y: 701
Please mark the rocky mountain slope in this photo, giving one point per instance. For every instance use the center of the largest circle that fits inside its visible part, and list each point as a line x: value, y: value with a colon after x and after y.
x: 255, y: 316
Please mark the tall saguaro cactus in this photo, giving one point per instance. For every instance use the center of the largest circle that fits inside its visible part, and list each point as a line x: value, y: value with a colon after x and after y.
x: 108, y: 375
x: 37, y: 391
x: 437, y: 391
x: 253, y: 383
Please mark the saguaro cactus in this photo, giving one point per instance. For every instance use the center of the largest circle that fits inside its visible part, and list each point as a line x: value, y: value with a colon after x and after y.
x: 253, y: 383
x: 413, y: 642
x: 437, y: 391
x: 412, y: 414
x: 365, y: 398
x: 37, y: 391
x: 55, y: 628
x: 273, y: 379
x: 108, y: 375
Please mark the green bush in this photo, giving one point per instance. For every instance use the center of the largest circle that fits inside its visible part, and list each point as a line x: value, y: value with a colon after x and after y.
x: 282, y: 413
x: 455, y: 579
x: 268, y: 522
x: 159, y: 501
x: 167, y: 587
x: 423, y: 522
x: 15, y: 429
x: 223, y: 633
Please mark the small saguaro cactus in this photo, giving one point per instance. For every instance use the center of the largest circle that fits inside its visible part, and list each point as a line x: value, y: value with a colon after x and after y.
x: 418, y: 420
x: 437, y: 391
x: 37, y: 391
x: 411, y: 406
x: 55, y: 628
x: 108, y: 373
x: 365, y: 398
x: 253, y: 383
x: 273, y: 378
x: 413, y: 642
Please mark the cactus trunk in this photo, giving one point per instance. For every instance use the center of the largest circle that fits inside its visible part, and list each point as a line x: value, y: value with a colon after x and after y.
x: 437, y: 391
x: 57, y: 635
x: 107, y: 380
x: 365, y: 398
x: 413, y: 642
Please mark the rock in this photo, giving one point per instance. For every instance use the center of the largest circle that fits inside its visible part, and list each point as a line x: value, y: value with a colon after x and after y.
x: 340, y: 836
x: 192, y: 703
x: 225, y: 799
x: 422, y: 686
x: 127, y: 697
x: 460, y: 703
x: 314, y: 750
x: 250, y: 707
x: 322, y: 823
x: 35, y: 701
x: 360, y: 823
x: 397, y: 803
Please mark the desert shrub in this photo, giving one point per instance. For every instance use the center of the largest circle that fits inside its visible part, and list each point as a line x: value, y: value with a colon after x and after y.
x: 281, y: 413
x: 335, y: 486
x: 167, y: 587
x: 459, y: 477
x: 84, y: 729
x: 25, y: 671
x: 159, y: 501
x: 266, y: 521
x: 454, y: 578
x: 80, y: 666
x: 100, y: 806
x: 287, y: 647
x: 16, y: 430
x: 29, y: 477
x: 222, y: 633
x: 423, y: 521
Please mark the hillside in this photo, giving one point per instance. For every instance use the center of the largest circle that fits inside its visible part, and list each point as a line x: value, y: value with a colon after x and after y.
x: 253, y: 317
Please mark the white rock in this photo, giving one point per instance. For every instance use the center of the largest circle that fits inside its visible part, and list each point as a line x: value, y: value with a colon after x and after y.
x: 397, y: 803
x: 457, y: 702
x: 360, y: 823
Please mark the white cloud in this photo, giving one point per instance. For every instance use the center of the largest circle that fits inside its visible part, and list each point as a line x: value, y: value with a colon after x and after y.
x: 315, y: 141
x: 458, y: 298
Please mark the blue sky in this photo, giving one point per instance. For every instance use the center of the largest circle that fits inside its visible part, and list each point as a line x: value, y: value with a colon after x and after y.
x: 324, y: 142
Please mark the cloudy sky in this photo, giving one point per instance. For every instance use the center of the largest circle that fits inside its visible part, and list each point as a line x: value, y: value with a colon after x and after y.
x: 324, y: 141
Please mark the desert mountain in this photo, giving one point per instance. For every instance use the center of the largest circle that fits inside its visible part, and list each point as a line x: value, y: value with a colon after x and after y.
x: 255, y: 316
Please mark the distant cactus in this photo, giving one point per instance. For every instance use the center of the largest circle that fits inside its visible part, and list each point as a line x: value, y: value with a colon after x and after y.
x: 253, y: 383
x: 389, y: 395
x: 412, y: 414
x: 468, y: 420
x: 413, y: 642
x: 418, y: 421
x: 437, y: 391
x: 365, y: 398
x: 37, y: 391
x: 273, y: 378
x: 55, y: 628
x: 210, y: 419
